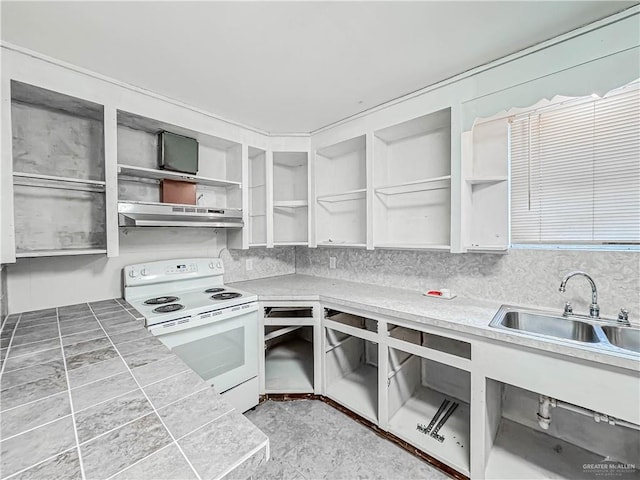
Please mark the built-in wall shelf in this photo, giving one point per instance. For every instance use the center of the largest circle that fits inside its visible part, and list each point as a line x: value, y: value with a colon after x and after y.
x: 54, y: 178
x: 414, y: 186
x: 60, y: 253
x: 488, y: 248
x: 328, y: 243
x: 414, y: 246
x: 155, y: 174
x: 290, y: 204
x: 343, y: 196
x: 486, y: 180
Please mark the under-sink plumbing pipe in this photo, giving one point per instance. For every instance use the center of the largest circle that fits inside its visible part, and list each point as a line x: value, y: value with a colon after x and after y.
x: 545, y: 404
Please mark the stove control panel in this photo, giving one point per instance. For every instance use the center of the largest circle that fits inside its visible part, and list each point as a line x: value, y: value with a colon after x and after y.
x: 181, y: 268
x: 173, y: 270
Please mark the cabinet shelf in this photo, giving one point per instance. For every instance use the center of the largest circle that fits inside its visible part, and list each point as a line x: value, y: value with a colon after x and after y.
x: 488, y: 248
x: 343, y: 196
x: 290, y: 203
x: 142, y: 172
x: 57, y: 183
x: 328, y: 243
x: 413, y: 246
x: 413, y: 186
x: 60, y: 252
x: 486, y: 180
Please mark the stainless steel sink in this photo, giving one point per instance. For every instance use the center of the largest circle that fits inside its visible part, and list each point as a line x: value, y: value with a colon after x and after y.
x: 623, y: 337
x: 601, y: 333
x: 558, y: 327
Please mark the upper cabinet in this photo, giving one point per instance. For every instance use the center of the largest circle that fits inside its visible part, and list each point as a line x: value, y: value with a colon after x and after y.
x: 341, y: 181
x: 290, y: 198
x: 485, y: 186
x: 412, y: 183
x: 258, y: 194
x: 219, y: 176
x: 58, y: 186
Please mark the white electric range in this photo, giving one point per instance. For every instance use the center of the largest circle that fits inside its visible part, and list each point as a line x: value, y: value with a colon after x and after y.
x: 213, y: 328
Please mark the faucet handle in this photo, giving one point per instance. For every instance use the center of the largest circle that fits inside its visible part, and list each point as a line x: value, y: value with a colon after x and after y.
x: 623, y: 316
x: 568, y: 309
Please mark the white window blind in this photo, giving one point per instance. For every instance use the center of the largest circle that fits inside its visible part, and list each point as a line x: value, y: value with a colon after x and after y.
x: 575, y: 172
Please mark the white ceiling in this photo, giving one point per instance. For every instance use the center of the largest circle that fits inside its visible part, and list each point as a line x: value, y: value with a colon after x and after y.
x: 288, y: 66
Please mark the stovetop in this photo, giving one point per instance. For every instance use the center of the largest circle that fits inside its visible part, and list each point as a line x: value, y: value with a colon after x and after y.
x: 188, y: 303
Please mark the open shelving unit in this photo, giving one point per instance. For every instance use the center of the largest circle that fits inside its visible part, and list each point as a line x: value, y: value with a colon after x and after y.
x: 412, y: 183
x: 351, y: 363
x: 485, y: 164
x: 290, y: 198
x: 58, y: 173
x: 257, y: 197
x: 219, y: 175
x: 341, y: 193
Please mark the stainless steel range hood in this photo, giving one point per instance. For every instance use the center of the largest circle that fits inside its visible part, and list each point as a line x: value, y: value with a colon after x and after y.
x: 144, y: 214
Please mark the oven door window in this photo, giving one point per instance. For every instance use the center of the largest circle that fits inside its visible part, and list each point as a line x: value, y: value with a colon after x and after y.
x: 215, y: 355
x: 224, y: 352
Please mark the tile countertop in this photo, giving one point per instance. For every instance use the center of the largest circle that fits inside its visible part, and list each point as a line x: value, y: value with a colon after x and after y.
x: 88, y: 393
x: 459, y: 314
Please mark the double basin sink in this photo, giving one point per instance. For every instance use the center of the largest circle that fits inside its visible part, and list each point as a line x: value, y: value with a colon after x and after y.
x: 601, y: 334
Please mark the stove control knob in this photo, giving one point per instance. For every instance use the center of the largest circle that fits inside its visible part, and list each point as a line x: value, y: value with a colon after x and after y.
x: 211, y: 266
x: 218, y: 265
x: 144, y: 272
x: 133, y: 273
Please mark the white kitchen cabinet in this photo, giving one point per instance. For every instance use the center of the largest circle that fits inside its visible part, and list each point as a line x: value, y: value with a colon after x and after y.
x: 351, y: 362
x: 58, y: 168
x: 340, y: 186
x: 291, y: 342
x: 259, y: 190
x: 485, y: 186
x: 290, y: 198
x: 219, y: 176
x: 412, y: 183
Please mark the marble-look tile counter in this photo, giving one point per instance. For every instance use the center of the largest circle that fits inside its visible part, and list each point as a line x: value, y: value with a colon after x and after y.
x: 458, y: 314
x: 87, y: 393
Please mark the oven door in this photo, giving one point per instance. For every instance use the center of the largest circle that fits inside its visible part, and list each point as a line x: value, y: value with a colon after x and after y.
x: 220, y: 346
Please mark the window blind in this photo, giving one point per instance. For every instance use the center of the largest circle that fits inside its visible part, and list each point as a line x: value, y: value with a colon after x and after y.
x: 575, y: 172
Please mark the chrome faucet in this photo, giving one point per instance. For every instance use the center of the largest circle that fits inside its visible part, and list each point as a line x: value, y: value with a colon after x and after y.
x: 594, y: 308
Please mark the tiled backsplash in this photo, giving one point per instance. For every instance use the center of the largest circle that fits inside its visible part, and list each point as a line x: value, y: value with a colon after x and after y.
x: 528, y: 277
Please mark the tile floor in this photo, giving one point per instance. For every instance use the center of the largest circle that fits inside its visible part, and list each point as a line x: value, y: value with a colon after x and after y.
x: 311, y: 440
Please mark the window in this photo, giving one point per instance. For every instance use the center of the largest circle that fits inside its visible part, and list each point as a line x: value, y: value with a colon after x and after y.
x: 575, y: 172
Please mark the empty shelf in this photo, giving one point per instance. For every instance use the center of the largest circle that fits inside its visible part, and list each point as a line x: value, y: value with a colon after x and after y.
x: 289, y: 367
x: 358, y: 391
x: 142, y: 172
x: 343, y: 196
x: 414, y: 186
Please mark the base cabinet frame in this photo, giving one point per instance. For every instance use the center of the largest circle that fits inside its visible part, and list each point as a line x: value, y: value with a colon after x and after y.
x: 391, y: 374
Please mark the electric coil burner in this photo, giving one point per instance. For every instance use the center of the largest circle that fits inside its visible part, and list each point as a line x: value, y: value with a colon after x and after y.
x: 172, y: 307
x: 214, y: 290
x: 160, y: 300
x: 225, y: 296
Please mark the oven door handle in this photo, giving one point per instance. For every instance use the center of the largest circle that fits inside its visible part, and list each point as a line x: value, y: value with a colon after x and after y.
x: 202, y: 319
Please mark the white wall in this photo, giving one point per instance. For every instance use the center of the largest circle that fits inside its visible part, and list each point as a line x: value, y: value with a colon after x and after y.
x: 35, y: 283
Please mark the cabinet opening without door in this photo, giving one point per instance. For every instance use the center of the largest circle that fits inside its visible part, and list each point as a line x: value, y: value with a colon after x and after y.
x: 290, y: 198
x: 58, y: 173
x: 416, y: 389
x: 351, y: 362
x: 519, y: 447
x: 289, y: 359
